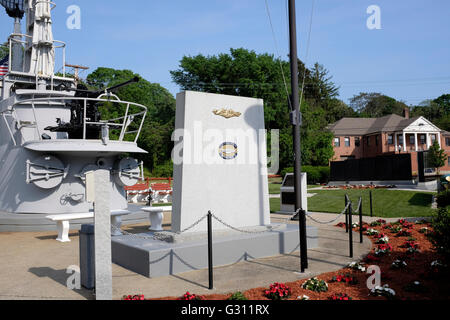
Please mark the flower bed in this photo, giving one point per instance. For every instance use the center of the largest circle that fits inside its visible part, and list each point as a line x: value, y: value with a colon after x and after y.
x: 418, y: 276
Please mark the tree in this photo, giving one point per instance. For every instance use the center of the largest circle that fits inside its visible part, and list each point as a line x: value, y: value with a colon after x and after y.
x: 436, y: 157
x: 4, y: 51
x: 246, y: 73
x: 376, y: 105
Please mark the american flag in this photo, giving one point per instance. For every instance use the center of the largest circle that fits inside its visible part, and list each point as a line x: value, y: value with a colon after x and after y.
x: 4, y: 66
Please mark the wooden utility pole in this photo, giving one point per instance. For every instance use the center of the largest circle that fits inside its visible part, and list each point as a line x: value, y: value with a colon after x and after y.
x: 296, y: 120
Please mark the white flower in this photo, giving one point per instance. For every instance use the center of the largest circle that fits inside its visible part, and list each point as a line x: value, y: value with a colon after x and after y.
x: 303, y: 297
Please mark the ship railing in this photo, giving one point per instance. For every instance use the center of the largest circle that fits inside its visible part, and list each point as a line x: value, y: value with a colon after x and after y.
x: 120, y: 124
x: 16, y: 38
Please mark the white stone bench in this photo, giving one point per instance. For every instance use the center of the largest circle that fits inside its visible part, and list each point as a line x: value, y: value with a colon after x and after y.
x: 156, y: 216
x: 63, y: 222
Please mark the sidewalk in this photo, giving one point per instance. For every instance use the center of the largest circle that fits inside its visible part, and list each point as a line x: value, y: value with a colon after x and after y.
x: 33, y: 266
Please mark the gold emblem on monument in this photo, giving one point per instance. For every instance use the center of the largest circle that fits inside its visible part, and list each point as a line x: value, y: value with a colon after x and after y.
x: 227, y: 113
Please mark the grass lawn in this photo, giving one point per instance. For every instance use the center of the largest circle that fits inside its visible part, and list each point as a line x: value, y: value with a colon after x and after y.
x: 386, y: 203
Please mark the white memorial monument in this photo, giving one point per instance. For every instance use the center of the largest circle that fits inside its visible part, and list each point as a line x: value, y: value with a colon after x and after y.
x: 220, y: 161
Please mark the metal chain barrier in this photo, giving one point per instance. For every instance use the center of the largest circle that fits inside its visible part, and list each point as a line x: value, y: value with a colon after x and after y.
x: 155, y: 236
x: 269, y: 228
x: 359, y: 206
x: 331, y: 221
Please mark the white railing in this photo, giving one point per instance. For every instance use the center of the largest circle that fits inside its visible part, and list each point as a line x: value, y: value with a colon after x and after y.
x: 121, y: 123
x: 17, y: 38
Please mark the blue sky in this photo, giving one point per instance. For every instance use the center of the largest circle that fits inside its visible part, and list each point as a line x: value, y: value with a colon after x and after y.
x: 408, y: 59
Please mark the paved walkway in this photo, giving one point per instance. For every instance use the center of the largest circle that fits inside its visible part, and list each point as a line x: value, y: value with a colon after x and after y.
x: 33, y: 266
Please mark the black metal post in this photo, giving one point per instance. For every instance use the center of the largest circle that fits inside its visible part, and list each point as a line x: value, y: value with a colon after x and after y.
x: 371, y: 208
x: 360, y: 221
x: 346, y: 214
x: 210, y: 252
x: 350, y: 230
x: 296, y: 123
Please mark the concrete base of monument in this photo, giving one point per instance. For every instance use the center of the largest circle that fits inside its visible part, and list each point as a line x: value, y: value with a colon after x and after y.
x: 155, y: 258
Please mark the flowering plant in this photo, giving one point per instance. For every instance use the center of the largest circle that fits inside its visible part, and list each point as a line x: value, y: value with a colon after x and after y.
x: 134, y: 297
x: 348, y: 279
x: 383, y: 249
x: 372, y: 232
x: 410, y: 244
x: 355, y: 225
x: 394, y: 229
x: 341, y: 224
x: 424, y: 230
x: 383, y: 291
x: 190, y: 296
x: 340, y: 296
x: 382, y: 238
x: 379, y: 222
x: 437, y: 266
x: 316, y: 285
x: 278, y: 291
x: 357, y: 266
x: 399, y: 264
x: 404, y: 233
x: 303, y: 297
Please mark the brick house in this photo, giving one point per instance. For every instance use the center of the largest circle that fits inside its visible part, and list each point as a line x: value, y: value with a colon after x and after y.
x: 356, y: 138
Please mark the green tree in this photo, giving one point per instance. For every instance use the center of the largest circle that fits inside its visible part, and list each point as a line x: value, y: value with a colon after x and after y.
x: 436, y: 156
x: 4, y: 50
x: 376, y: 105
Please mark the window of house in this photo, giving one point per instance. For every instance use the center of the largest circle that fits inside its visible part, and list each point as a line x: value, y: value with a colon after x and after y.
x: 337, y: 142
x: 422, y: 139
x: 412, y: 139
x: 400, y: 140
x: 390, y: 139
x: 347, y: 141
x: 447, y: 142
x: 433, y: 138
x: 377, y: 138
x: 357, y: 142
x: 368, y: 141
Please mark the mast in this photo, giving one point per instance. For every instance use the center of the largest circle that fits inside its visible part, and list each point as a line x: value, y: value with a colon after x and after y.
x: 296, y: 118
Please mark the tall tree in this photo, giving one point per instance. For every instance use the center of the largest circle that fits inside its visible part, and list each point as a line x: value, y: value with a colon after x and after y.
x: 436, y: 156
x: 4, y: 50
x: 376, y: 105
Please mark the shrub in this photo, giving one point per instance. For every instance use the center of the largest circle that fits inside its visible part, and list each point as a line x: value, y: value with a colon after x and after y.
x: 237, y: 296
x: 163, y: 170
x: 314, y: 174
x: 443, y: 199
x: 440, y: 237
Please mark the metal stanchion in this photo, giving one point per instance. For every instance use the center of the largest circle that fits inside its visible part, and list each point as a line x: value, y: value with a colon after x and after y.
x: 346, y: 214
x: 371, y: 209
x: 303, y: 240
x: 350, y: 233
x: 360, y: 221
x: 210, y: 252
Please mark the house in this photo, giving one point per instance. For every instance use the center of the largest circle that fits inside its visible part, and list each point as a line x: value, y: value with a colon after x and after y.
x: 356, y: 138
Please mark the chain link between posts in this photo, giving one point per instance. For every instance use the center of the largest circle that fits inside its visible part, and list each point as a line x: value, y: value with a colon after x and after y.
x: 333, y: 220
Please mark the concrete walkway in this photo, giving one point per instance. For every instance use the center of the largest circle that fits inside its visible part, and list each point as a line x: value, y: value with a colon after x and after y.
x: 33, y: 266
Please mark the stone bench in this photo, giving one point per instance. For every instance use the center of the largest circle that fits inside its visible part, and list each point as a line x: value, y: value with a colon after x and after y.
x: 63, y: 222
x: 156, y: 216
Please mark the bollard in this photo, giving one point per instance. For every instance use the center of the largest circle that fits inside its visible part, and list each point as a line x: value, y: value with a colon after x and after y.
x: 346, y: 212
x: 303, y: 241
x: 360, y: 221
x: 350, y: 233
x: 87, y: 254
x: 210, y: 252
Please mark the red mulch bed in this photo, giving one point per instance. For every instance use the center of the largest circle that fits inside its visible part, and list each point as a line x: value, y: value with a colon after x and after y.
x: 418, y: 269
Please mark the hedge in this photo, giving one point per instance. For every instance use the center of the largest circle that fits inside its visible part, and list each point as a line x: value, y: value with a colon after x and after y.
x: 314, y: 174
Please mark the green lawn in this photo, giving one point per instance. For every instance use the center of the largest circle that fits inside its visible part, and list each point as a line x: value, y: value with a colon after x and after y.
x: 386, y: 203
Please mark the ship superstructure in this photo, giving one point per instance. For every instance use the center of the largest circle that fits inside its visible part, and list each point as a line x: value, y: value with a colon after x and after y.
x: 52, y: 129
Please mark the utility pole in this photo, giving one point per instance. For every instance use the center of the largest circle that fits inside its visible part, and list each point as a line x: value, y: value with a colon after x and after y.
x: 296, y: 120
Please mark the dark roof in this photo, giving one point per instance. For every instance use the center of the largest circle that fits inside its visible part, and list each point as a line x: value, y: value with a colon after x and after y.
x: 363, y: 126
